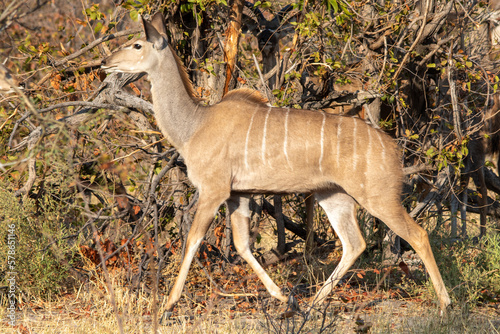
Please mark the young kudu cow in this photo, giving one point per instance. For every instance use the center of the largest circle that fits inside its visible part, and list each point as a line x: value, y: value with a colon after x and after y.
x: 242, y: 146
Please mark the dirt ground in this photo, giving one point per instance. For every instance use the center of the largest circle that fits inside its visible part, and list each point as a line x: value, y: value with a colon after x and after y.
x: 367, y: 313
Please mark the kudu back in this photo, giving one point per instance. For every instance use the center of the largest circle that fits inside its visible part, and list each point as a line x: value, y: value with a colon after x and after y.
x: 242, y: 146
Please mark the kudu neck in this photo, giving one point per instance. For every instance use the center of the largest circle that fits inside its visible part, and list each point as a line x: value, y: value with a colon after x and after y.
x: 177, y: 111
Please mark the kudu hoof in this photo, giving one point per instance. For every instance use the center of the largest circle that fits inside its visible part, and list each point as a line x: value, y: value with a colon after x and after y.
x: 292, y: 308
x: 444, y: 311
x: 168, y: 319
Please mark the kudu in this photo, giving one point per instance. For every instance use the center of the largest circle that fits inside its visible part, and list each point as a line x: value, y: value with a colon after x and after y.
x: 242, y: 146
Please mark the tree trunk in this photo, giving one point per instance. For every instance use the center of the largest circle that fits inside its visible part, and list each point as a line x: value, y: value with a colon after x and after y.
x: 232, y: 41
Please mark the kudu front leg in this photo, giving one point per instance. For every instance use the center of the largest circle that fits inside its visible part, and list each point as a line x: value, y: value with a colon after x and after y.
x: 207, y: 207
x: 240, y: 218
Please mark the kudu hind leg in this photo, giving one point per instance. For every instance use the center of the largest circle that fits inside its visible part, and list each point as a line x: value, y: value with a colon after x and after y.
x: 403, y: 225
x: 340, y: 209
x: 208, y: 205
x: 240, y: 218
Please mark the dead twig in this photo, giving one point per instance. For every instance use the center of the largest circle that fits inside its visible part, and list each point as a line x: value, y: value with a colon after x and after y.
x: 92, y: 105
x: 95, y: 43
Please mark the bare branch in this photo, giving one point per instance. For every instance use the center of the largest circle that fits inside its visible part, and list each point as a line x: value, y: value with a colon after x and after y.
x: 415, y: 42
x: 96, y: 43
x: 79, y: 104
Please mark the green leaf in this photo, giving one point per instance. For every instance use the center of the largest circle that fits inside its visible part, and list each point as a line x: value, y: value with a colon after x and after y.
x: 431, y: 65
x: 465, y: 151
x: 334, y: 4
x: 134, y: 15
x: 489, y: 164
x: 98, y: 27
x: 266, y: 5
x: 346, y: 11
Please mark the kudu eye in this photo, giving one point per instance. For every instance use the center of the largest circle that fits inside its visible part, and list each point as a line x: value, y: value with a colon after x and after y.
x: 137, y: 46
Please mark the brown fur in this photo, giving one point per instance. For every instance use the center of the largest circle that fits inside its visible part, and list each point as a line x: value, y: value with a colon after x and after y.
x: 246, y: 95
x: 188, y: 85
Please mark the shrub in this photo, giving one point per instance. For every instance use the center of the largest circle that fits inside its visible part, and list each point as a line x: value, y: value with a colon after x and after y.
x: 471, y: 269
x: 42, y: 253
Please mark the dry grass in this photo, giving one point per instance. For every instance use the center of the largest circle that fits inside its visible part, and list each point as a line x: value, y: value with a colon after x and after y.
x: 89, y: 310
x: 354, y: 307
x: 54, y: 321
x: 70, y: 315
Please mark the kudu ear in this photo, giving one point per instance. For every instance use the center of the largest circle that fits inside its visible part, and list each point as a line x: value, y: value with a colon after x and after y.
x: 159, y: 23
x: 153, y: 35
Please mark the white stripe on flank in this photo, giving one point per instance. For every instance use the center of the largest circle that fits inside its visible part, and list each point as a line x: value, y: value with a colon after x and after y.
x: 308, y: 127
x: 264, y: 137
x: 383, y: 146
x: 322, y: 143
x: 370, y: 148
x: 368, y: 155
x: 246, y: 140
x: 339, y: 133
x: 354, y: 141
x: 285, y: 142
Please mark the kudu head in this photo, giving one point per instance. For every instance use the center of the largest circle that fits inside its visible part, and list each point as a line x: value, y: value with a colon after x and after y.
x: 144, y: 54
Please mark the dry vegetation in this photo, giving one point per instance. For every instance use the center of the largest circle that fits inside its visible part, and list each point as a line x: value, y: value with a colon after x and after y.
x: 87, y: 179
